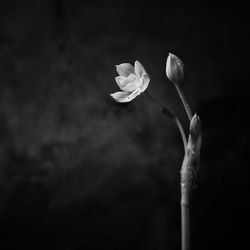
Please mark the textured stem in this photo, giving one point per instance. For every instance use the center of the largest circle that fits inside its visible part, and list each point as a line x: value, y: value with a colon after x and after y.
x: 185, y: 198
x: 185, y: 182
x: 170, y: 115
x: 189, y: 171
x: 184, y: 101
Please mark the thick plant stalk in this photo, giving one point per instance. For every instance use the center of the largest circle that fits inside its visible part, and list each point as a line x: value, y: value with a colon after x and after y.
x: 189, y: 168
x: 188, y: 175
x: 185, y: 220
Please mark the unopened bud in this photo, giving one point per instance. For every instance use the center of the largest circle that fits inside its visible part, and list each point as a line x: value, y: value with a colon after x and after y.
x: 174, y: 69
x: 192, y: 157
x: 195, y: 125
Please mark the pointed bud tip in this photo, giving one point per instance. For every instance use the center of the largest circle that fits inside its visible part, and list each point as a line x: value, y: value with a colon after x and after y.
x: 195, y: 116
x: 195, y: 125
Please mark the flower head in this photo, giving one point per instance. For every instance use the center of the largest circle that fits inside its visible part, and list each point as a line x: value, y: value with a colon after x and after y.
x: 174, y: 69
x: 131, y: 80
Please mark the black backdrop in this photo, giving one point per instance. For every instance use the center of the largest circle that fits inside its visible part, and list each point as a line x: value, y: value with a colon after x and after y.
x: 80, y: 171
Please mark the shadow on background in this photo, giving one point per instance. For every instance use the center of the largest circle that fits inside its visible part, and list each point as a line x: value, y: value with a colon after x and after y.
x: 79, y: 171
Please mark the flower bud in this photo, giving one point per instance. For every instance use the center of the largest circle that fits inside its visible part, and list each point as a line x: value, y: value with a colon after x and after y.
x: 174, y: 69
x: 192, y: 157
x: 195, y: 125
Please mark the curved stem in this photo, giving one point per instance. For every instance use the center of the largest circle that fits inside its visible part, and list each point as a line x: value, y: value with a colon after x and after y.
x: 183, y: 136
x: 184, y: 101
x: 169, y: 114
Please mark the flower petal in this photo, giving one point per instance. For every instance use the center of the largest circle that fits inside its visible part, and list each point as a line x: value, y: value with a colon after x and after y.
x: 145, y: 81
x: 135, y: 93
x: 120, y: 81
x: 132, y: 83
x: 129, y: 84
x: 125, y: 69
x: 121, y: 96
x: 139, y: 69
x: 125, y: 96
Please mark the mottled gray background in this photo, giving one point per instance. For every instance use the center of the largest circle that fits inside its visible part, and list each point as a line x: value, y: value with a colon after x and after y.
x: 79, y: 171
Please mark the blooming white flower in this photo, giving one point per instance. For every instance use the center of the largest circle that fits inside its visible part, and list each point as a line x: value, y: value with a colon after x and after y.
x: 131, y: 80
x: 174, y: 68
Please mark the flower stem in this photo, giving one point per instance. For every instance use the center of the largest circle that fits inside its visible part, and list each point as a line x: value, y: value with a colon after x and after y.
x: 185, y: 220
x: 185, y: 198
x: 170, y: 115
x: 185, y: 181
x: 184, y: 101
x: 189, y: 170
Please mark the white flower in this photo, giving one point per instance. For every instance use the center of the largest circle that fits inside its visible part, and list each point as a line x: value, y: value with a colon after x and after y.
x: 131, y: 80
x: 174, y: 69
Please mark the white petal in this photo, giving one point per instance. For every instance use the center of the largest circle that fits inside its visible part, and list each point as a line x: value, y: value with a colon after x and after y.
x: 121, y: 96
x: 139, y: 69
x: 145, y: 81
x: 129, y: 84
x: 125, y: 69
x: 132, y: 83
x: 134, y: 94
x: 125, y: 96
x: 120, y: 80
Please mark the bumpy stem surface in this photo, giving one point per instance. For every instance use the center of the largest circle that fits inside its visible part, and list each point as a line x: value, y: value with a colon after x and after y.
x: 185, y: 197
x: 187, y: 178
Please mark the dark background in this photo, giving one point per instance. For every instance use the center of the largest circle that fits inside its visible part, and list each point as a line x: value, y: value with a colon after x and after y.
x: 80, y: 171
